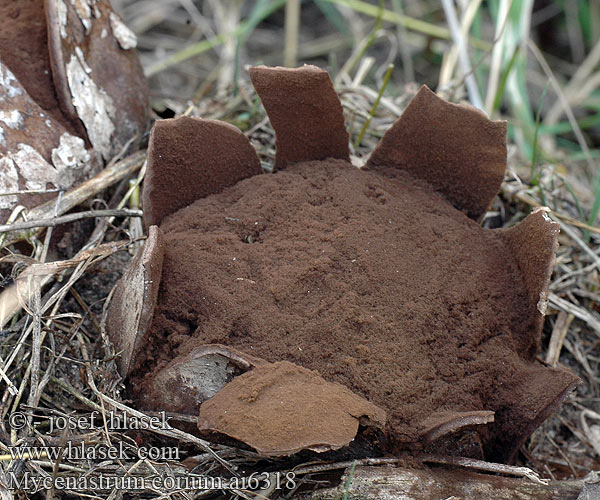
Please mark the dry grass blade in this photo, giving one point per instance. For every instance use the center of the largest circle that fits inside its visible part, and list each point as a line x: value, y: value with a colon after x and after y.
x: 564, y: 102
x: 65, y: 219
x: 496, y: 63
x: 592, y: 434
x: 573, y: 88
x: 292, y: 26
x: 449, y: 63
x: 20, y: 293
x: 559, y: 334
x: 579, y: 312
x: 519, y: 193
x: 463, y: 55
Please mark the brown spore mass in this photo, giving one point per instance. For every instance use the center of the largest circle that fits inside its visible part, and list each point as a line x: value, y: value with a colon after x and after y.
x: 370, y: 278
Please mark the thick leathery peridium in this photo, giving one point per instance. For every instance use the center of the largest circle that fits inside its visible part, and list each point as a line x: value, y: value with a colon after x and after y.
x: 453, y: 147
x: 282, y: 402
x: 98, y: 77
x: 72, y: 94
x: 190, y: 158
x: 132, y: 307
x: 305, y: 112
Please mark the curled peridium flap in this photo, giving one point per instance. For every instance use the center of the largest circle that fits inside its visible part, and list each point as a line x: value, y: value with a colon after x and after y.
x: 192, y: 378
x: 442, y: 423
x: 534, y: 243
x: 132, y: 306
x: 453, y: 147
x: 24, y: 50
x: 525, y: 399
x: 305, y: 112
x: 36, y: 151
x: 99, y: 80
x: 281, y: 408
x: 529, y: 393
x: 190, y: 158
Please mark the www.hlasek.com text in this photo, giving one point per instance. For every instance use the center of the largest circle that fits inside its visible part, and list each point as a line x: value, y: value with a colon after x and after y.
x: 72, y: 451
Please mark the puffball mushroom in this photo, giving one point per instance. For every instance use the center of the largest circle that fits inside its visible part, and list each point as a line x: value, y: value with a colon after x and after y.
x: 377, y: 285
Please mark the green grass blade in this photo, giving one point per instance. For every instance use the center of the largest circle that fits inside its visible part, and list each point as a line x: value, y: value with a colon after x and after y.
x: 576, y: 200
x: 566, y: 127
x: 504, y: 78
x: 334, y: 16
x: 350, y: 477
x: 210, y: 43
x: 409, y: 22
x: 514, y: 35
x: 593, y: 218
x: 534, y: 151
x: 364, y: 45
x: 386, y: 79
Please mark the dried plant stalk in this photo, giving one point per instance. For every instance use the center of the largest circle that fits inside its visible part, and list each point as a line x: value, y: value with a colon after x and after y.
x: 73, y: 197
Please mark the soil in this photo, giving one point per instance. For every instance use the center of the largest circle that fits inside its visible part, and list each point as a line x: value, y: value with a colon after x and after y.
x: 370, y: 278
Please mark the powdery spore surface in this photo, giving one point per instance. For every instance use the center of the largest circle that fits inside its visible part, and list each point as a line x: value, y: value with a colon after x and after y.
x: 371, y: 279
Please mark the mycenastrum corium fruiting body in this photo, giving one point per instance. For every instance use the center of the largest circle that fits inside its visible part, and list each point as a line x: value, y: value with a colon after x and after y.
x: 288, y: 309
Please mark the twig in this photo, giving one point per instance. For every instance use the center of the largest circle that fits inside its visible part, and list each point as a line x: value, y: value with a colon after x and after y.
x: 577, y: 311
x: 34, y: 284
x: 77, y: 195
x: 56, y: 221
x: 472, y: 463
x: 30, y: 191
x: 468, y: 463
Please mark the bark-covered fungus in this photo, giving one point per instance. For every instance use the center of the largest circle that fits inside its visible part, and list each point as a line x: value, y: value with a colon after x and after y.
x: 72, y: 95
